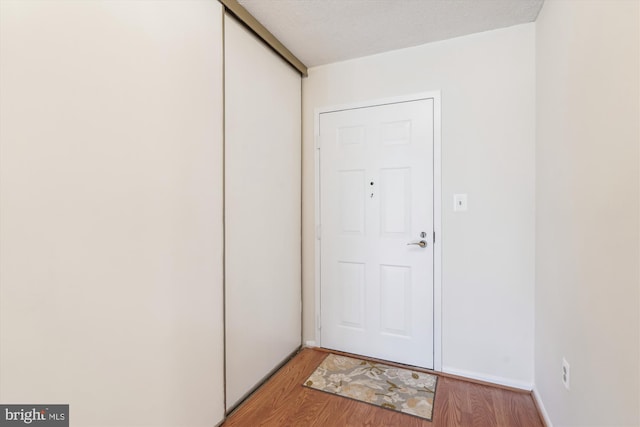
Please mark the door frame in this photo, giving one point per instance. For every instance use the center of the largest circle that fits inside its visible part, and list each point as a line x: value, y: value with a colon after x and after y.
x: 437, y: 209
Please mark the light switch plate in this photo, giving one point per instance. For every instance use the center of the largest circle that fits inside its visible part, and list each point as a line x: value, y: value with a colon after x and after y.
x: 460, y: 202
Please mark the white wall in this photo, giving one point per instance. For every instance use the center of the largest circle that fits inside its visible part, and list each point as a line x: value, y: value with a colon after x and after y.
x: 587, y: 241
x: 111, y: 210
x: 488, y: 125
x: 262, y: 210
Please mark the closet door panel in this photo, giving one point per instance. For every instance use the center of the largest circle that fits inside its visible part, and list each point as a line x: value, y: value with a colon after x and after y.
x: 111, y: 217
x: 262, y: 210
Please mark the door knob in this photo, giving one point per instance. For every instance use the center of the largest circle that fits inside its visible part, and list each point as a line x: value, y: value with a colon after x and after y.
x: 421, y: 243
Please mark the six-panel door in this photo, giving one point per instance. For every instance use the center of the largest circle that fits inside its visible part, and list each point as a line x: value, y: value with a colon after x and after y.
x: 376, y: 209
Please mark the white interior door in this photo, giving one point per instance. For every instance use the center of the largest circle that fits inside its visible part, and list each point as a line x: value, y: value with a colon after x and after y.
x: 377, y: 231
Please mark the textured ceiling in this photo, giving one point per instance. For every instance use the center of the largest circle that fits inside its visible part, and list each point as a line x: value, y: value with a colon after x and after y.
x: 324, y: 31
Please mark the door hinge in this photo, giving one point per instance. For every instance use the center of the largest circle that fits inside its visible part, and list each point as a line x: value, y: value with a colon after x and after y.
x: 434, y: 237
x: 317, y: 142
x: 319, y: 321
x: 318, y: 232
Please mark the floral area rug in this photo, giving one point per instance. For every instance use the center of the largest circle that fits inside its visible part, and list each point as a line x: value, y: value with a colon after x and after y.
x: 402, y: 390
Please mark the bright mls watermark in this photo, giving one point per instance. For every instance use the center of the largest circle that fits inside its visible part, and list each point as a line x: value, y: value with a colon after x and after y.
x: 36, y: 415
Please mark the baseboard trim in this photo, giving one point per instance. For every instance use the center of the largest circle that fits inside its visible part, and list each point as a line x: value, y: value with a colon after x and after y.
x: 537, y: 399
x: 490, y: 379
x: 310, y: 344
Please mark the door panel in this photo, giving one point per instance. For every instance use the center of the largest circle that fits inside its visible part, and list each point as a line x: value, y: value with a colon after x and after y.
x: 262, y: 211
x: 352, y: 201
x: 376, y: 192
x: 395, y: 201
x: 111, y: 250
x: 352, y: 293
x: 395, y: 297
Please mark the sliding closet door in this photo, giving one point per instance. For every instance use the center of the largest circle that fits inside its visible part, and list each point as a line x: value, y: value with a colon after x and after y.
x: 111, y: 219
x: 262, y: 210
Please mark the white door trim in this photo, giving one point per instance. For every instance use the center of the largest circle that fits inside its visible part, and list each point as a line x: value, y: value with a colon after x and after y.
x: 437, y: 209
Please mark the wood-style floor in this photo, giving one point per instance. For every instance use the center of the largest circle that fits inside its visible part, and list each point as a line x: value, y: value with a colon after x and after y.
x: 282, y: 401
